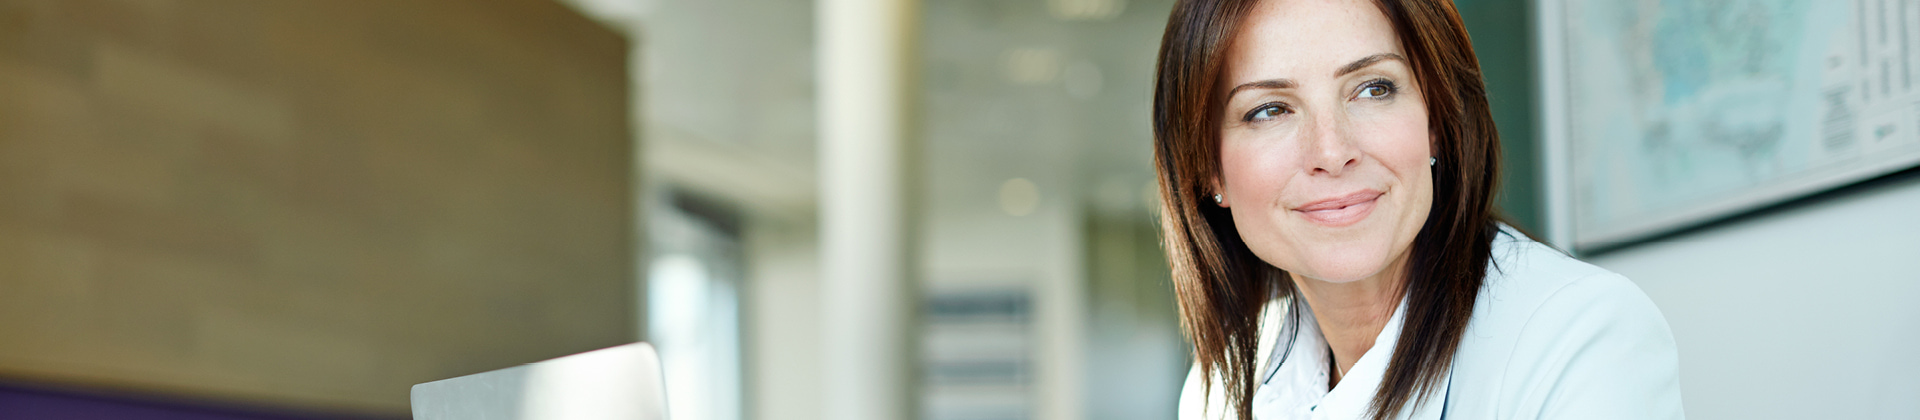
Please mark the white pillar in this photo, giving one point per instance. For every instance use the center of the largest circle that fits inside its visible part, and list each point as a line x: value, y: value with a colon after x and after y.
x: 864, y: 60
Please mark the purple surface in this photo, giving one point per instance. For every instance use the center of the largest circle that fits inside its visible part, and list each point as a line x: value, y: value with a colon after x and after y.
x: 28, y: 403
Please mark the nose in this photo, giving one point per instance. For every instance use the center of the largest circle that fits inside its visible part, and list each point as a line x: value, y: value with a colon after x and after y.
x: 1330, y: 148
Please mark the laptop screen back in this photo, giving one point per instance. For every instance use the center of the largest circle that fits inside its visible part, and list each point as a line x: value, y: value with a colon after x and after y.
x: 615, y: 383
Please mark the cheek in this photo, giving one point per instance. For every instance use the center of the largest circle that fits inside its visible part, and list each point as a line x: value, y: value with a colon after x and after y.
x: 1253, y: 170
x: 1256, y: 172
x: 1404, y: 146
x: 1399, y: 139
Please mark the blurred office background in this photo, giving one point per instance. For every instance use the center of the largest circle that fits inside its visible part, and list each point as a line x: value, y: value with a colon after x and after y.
x: 817, y: 209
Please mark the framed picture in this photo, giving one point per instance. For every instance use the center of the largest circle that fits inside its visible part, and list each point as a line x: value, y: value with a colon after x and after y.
x: 1660, y: 115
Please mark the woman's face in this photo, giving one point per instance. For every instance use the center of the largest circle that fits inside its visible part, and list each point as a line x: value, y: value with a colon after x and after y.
x: 1324, y: 140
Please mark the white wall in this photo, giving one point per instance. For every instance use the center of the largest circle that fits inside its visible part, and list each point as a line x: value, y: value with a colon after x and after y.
x: 1810, y: 312
x: 969, y: 242
x: 783, y: 320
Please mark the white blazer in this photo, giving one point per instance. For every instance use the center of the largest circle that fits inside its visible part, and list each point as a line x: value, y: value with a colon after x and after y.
x: 1551, y: 337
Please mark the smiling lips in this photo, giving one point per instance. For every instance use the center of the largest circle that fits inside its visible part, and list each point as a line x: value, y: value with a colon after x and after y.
x: 1340, y: 211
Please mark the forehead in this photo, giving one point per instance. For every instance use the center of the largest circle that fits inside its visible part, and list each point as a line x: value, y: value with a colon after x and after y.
x: 1305, y: 39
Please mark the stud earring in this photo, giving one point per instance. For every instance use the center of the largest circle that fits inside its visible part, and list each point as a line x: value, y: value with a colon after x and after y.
x: 1432, y: 161
x: 1217, y: 199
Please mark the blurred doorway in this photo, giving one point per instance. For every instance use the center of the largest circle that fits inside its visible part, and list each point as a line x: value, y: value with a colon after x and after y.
x: 693, y: 304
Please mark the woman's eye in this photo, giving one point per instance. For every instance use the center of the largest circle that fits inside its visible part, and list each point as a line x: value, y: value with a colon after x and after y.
x: 1376, y: 89
x: 1266, y: 112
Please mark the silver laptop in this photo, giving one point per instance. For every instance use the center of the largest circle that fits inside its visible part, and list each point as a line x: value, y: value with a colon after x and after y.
x: 615, y: 383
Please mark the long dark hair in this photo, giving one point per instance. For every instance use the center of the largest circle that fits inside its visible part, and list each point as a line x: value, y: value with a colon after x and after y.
x: 1222, y: 286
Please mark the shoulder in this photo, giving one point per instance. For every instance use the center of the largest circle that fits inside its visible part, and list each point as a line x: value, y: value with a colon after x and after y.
x: 1552, y: 335
x: 1198, y: 401
x: 1528, y: 283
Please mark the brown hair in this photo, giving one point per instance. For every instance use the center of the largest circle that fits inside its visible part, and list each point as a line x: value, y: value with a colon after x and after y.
x: 1223, y: 287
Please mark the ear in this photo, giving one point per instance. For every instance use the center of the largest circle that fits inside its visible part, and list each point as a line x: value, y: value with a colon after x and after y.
x: 1215, y: 189
x: 1433, y: 145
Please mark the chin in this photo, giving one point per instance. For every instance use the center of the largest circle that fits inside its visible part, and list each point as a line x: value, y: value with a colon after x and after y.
x: 1345, y: 264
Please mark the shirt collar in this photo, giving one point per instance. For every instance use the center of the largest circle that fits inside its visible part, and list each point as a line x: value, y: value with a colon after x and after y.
x: 1295, y: 383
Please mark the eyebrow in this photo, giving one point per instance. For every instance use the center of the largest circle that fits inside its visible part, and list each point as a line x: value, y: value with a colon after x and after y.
x: 1354, y: 66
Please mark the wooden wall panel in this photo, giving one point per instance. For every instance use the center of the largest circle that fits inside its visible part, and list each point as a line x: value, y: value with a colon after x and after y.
x: 308, y: 203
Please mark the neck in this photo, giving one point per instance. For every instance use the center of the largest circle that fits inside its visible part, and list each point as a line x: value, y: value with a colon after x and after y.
x: 1351, y: 314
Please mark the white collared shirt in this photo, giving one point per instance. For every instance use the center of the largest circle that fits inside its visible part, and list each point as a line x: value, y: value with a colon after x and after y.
x: 1551, y: 337
x: 1295, y: 388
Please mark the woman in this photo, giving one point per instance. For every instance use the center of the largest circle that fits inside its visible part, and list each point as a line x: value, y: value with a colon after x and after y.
x: 1327, y: 169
